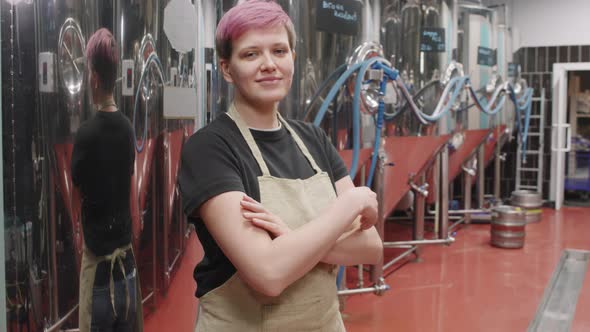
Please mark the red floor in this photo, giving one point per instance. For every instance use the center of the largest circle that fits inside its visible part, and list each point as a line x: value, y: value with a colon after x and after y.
x: 468, y: 286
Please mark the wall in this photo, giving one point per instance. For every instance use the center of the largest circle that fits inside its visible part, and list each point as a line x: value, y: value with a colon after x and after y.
x: 548, y: 22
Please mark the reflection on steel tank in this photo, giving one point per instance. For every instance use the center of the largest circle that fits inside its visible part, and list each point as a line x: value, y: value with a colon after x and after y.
x: 44, y: 241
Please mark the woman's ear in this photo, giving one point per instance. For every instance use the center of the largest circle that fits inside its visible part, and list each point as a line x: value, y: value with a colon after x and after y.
x: 225, y: 70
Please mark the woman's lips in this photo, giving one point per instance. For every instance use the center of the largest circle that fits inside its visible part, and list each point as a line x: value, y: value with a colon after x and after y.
x: 268, y: 79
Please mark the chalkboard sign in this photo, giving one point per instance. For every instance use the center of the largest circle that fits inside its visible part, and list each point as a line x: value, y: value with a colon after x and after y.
x: 338, y: 16
x: 512, y: 69
x: 486, y: 56
x: 432, y: 39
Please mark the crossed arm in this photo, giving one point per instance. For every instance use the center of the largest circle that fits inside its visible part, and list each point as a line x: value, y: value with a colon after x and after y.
x: 269, y: 265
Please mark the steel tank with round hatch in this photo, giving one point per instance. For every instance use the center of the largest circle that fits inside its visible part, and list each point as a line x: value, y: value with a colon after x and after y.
x: 321, y: 48
x: 63, y: 29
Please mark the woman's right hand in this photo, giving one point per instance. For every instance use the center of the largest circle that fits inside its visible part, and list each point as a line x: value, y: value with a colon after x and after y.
x: 262, y: 218
x: 367, y: 199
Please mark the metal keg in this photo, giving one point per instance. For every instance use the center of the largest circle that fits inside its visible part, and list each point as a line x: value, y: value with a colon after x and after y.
x: 508, y: 227
x: 530, y: 201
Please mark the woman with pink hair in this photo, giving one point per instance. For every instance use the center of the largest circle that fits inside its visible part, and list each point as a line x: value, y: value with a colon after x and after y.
x: 272, y: 202
x: 102, y: 165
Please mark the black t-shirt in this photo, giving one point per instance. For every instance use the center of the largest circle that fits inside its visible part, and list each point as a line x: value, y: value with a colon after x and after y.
x: 217, y: 159
x: 102, y: 165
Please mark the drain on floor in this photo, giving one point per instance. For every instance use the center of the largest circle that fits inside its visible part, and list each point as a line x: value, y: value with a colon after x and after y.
x: 557, y: 308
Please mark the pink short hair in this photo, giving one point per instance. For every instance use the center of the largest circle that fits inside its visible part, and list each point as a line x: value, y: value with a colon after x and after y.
x: 102, y: 56
x: 247, y: 15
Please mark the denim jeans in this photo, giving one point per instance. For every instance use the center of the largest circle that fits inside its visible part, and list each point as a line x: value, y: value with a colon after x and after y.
x: 103, y: 317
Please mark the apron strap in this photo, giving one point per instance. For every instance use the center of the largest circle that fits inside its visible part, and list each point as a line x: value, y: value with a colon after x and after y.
x: 301, y: 145
x: 245, y: 131
x: 234, y: 115
x: 117, y: 256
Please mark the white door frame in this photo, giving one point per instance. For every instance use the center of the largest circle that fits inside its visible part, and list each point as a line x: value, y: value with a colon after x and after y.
x: 560, y: 132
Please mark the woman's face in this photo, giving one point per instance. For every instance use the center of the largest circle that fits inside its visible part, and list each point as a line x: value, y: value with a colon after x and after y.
x: 261, y: 65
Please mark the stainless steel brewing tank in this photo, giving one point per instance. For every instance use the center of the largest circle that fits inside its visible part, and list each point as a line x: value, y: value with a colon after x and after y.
x: 477, y: 44
x: 391, y: 31
x: 421, y: 61
x: 62, y: 31
x: 320, y: 47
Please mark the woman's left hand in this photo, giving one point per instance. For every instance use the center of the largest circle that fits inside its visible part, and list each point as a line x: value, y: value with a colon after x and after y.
x: 254, y: 212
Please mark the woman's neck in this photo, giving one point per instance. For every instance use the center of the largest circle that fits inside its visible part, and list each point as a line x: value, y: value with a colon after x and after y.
x: 106, y: 104
x: 260, y: 116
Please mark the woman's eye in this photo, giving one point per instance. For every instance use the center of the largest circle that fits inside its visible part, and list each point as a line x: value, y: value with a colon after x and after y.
x: 250, y: 55
x: 281, y: 51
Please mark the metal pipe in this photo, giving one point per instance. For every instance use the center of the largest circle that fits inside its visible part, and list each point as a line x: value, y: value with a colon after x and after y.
x: 54, y: 308
x: 470, y: 211
x: 415, y: 243
x: 467, y: 194
x: 437, y: 195
x: 456, y: 224
x: 55, y: 327
x: 482, y: 217
x: 448, y: 218
x: 420, y: 206
x: 401, y: 246
x: 171, y: 266
x: 481, y: 175
x: 154, y: 236
x: 376, y: 271
x: 443, y: 230
x: 147, y: 297
x: 360, y: 276
x: 182, y: 224
x: 399, y: 258
x: 167, y: 215
x: 497, y: 164
x: 378, y: 289
x: 476, y: 7
x: 450, y: 212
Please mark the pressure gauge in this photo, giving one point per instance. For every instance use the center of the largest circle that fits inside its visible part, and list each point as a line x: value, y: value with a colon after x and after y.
x: 70, y: 56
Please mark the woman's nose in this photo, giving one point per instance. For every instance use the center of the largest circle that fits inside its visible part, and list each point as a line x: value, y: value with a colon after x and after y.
x: 268, y: 63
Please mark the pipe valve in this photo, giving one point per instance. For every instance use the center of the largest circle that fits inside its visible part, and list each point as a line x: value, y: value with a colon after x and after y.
x: 422, y: 189
x: 468, y: 170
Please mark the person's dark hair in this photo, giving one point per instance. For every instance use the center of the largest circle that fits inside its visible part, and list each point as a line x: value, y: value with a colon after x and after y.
x: 102, y: 57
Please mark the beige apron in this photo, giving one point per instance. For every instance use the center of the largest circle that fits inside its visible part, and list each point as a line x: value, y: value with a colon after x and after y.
x: 310, y: 303
x: 87, y: 275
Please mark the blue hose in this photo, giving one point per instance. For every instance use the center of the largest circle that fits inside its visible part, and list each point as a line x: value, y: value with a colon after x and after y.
x: 332, y: 93
x: 355, y: 122
x: 487, y: 109
x: 356, y: 114
x: 322, y: 86
x: 356, y: 107
x: 456, y: 84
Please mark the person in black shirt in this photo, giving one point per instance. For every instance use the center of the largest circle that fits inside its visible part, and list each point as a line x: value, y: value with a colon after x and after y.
x: 272, y: 202
x: 102, y: 166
